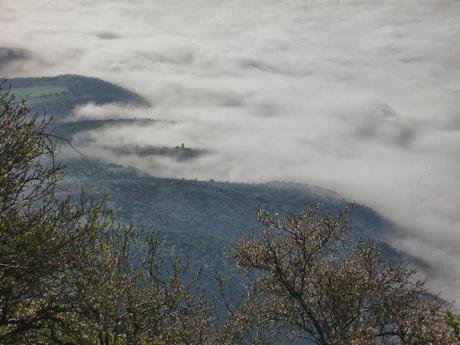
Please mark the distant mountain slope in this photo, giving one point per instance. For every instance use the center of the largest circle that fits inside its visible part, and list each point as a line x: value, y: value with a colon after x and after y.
x: 59, y: 95
x: 199, y: 219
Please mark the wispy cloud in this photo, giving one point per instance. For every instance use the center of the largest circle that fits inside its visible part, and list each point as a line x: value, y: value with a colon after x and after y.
x: 91, y: 111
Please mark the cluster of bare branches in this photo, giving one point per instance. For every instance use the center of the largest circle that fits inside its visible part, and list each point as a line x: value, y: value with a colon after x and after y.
x: 315, y: 282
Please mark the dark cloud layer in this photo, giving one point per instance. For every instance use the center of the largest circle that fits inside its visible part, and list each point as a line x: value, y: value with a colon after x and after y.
x: 12, y: 56
x: 106, y: 35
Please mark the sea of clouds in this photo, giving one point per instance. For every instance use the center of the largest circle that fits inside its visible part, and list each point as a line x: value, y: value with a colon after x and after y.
x: 358, y: 96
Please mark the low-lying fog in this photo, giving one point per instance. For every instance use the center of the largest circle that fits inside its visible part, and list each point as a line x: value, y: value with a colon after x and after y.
x: 358, y: 96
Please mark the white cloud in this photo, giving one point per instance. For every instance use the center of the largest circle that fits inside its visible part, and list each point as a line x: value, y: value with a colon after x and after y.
x: 358, y: 96
x: 91, y: 111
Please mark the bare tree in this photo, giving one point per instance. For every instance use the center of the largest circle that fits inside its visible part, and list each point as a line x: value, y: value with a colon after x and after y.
x: 314, y: 284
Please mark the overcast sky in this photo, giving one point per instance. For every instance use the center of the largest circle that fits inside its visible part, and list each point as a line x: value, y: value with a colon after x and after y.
x: 358, y: 96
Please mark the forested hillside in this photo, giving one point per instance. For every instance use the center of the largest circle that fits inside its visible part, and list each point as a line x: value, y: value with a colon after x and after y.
x: 198, y: 219
x: 304, y: 266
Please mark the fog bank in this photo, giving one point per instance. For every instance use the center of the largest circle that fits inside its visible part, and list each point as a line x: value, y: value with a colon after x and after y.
x: 358, y: 96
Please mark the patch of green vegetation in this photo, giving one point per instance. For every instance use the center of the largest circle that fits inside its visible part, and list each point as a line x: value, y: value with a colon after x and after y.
x: 41, y: 91
x: 72, y: 91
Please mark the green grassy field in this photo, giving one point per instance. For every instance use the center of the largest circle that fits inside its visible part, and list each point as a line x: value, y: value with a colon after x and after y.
x: 61, y: 94
x: 40, y: 91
